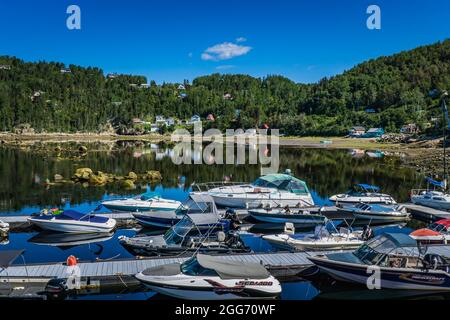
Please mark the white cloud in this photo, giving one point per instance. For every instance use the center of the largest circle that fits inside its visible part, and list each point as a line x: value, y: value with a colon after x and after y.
x: 225, y: 51
x: 190, y: 54
x: 241, y: 39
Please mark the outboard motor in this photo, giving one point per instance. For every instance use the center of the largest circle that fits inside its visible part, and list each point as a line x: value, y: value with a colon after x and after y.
x: 231, y: 215
x: 56, y: 289
x: 367, y: 233
x: 435, y: 262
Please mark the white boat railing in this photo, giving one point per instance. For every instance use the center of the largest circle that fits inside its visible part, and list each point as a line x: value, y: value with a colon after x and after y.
x: 205, y: 186
x: 417, y: 192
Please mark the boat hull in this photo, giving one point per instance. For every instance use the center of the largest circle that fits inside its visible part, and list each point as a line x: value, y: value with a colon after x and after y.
x: 74, y: 226
x: 304, y: 245
x: 296, y: 219
x: 208, y: 288
x: 390, y: 278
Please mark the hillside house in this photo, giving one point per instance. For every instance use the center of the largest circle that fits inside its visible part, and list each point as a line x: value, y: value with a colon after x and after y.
x: 410, y: 128
x: 356, y: 131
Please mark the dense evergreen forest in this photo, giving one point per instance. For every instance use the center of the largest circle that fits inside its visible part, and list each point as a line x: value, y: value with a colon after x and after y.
x: 386, y: 92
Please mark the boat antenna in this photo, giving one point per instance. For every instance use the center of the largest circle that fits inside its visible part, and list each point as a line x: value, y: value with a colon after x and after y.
x: 445, y: 112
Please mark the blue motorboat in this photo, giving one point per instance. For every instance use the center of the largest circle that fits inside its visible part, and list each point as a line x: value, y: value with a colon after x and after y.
x: 390, y: 261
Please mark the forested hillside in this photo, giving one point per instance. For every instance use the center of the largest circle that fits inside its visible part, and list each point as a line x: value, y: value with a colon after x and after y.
x: 399, y: 89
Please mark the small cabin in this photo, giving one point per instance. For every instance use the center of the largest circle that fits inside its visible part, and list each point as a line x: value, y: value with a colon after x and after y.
x: 410, y: 128
x: 373, y: 133
x: 170, y: 122
x: 65, y: 70
x: 357, y: 131
x: 5, y: 67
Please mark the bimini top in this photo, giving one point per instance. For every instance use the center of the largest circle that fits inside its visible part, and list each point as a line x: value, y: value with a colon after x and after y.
x: 399, y: 239
x: 203, y: 219
x: 73, y: 215
x: 367, y: 187
x: 228, y: 269
x: 282, y: 182
x: 200, y: 203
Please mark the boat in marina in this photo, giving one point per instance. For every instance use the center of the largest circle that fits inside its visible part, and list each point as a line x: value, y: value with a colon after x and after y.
x: 363, y: 193
x: 298, y: 217
x: 144, y: 202
x: 322, y: 239
x: 376, y: 212
x: 187, y: 237
x: 71, y: 221
x: 436, y: 233
x: 69, y: 240
x: 432, y: 199
x: 205, y: 277
x: 271, y: 190
x: 4, y: 229
x: 401, y: 264
x: 195, y: 204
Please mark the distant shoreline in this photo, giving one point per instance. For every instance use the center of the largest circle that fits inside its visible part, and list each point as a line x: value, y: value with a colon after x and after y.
x: 425, y: 159
x: 290, y: 141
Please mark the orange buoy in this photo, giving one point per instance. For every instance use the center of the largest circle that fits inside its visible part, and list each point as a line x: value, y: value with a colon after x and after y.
x: 71, y: 261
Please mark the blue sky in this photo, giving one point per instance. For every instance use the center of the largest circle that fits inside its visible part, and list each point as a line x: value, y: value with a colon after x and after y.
x: 174, y: 40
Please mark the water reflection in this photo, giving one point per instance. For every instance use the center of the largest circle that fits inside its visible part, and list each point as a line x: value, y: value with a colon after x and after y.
x: 326, y: 171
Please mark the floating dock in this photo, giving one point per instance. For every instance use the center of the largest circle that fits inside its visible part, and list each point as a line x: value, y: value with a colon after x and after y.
x: 281, y: 264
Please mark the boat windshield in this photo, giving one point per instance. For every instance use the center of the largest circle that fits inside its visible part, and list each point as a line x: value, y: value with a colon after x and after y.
x: 438, y: 227
x: 282, y: 182
x: 191, y: 267
x: 375, y: 251
x: 191, y: 206
x: 178, y: 232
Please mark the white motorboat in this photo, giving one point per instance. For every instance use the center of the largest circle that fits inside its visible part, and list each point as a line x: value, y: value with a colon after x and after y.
x: 433, y: 199
x: 297, y: 217
x: 320, y: 240
x: 205, y: 277
x: 272, y: 190
x: 363, y: 193
x: 144, y: 202
x: 4, y: 229
x: 376, y: 212
x: 71, y: 221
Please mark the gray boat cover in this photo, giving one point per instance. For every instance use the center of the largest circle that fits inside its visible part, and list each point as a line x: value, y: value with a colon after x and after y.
x: 228, y: 269
x: 204, y: 218
x: 201, y: 203
x: 171, y: 269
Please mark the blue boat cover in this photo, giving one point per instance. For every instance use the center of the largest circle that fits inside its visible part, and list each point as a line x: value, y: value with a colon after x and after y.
x: 435, y: 183
x: 400, y: 239
x: 368, y: 187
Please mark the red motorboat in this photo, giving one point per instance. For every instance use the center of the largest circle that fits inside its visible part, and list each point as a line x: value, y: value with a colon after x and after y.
x: 437, y: 233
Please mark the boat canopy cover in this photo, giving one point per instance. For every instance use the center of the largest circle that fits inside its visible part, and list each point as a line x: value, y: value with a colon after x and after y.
x: 228, y: 269
x: 200, y: 203
x: 148, y: 195
x: 440, y: 184
x: 204, y: 219
x: 283, y: 182
x: 400, y: 239
x: 367, y: 187
x: 444, y: 222
x: 8, y: 257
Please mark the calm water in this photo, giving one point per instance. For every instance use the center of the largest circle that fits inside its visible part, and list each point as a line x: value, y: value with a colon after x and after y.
x: 23, y: 191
